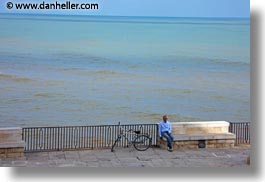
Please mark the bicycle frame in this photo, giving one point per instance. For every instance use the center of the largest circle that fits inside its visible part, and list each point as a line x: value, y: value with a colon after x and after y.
x: 125, y: 133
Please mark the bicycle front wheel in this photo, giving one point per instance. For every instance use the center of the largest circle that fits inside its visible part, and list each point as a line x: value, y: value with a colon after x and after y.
x: 142, y: 142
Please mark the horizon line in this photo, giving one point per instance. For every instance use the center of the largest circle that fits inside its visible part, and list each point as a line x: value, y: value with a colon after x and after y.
x: 139, y: 16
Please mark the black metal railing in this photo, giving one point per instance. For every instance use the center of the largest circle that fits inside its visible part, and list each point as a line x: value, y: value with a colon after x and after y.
x: 242, y: 131
x: 79, y: 137
x: 101, y: 136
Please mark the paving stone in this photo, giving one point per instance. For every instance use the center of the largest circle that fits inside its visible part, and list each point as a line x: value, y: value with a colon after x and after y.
x: 39, y: 164
x: 221, y: 154
x: 178, y: 163
x: 37, y: 156
x: 13, y: 159
x: 199, y: 156
x: 70, y: 163
x: 80, y: 163
x: 61, y: 161
x: 6, y: 164
x: 86, y: 152
x: 105, y: 152
x: 89, y: 158
x: 132, y: 164
x: 168, y: 156
x: 116, y: 163
x: 105, y: 164
x: 104, y: 158
x: 124, y: 157
x: 128, y: 160
x: 51, y: 163
x: 122, y: 150
x: 56, y: 155
x: 196, y: 162
x: 146, y: 158
x: 160, y: 163
x: 66, y: 165
x: 149, y: 151
x: 92, y: 164
x: 147, y: 164
x: 71, y: 155
x: 19, y: 163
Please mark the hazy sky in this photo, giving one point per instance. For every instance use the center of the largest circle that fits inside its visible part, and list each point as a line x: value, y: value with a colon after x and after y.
x: 171, y: 8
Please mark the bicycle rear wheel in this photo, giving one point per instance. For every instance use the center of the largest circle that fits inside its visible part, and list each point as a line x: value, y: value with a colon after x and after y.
x: 142, y: 142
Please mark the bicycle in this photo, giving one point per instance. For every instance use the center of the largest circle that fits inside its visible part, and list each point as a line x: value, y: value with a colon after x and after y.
x: 141, y: 142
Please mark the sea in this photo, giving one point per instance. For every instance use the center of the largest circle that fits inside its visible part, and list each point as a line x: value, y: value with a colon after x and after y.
x: 65, y: 70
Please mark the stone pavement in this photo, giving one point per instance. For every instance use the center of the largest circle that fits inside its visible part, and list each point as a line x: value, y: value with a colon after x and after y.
x: 129, y: 157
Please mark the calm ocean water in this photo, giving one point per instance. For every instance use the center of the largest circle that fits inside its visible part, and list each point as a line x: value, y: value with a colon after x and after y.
x: 81, y: 70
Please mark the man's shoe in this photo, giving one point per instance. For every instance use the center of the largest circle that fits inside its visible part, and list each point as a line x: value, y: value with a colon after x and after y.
x: 170, y: 149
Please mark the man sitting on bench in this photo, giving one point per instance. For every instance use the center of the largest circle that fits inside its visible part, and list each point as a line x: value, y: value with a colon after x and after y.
x: 164, y: 130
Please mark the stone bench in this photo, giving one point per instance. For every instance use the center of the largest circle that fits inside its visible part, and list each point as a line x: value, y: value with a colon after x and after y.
x: 203, y: 134
x: 11, y: 143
